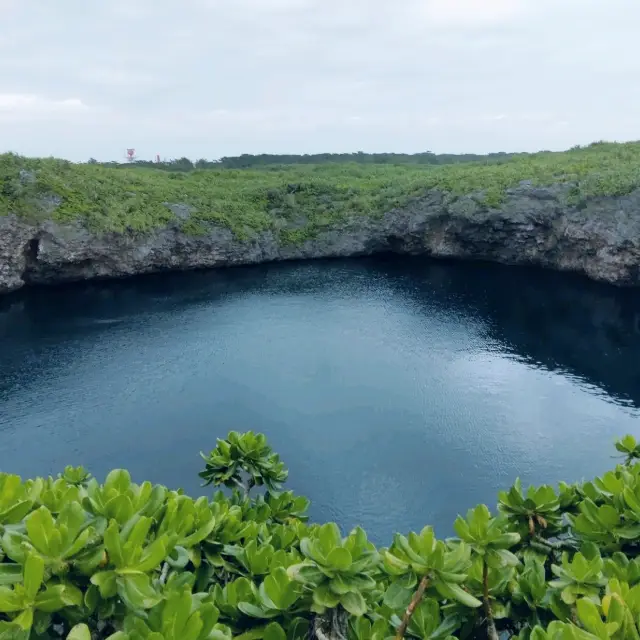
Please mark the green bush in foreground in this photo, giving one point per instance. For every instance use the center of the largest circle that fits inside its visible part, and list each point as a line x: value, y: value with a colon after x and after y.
x: 83, y: 560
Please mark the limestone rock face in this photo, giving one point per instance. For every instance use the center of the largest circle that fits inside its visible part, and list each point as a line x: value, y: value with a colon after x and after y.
x: 15, y: 240
x: 533, y: 226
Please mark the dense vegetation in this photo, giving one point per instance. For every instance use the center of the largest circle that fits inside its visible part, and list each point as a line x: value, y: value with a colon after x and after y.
x: 294, y: 202
x: 427, y: 157
x: 249, y: 160
x: 82, y: 560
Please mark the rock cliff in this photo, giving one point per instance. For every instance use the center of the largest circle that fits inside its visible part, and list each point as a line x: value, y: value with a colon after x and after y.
x: 534, y: 225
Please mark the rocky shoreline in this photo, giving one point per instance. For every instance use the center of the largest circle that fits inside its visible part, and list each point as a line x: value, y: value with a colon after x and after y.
x: 534, y: 225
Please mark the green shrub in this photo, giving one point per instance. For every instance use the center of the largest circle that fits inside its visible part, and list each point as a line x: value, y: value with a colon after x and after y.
x: 83, y: 560
x: 295, y: 202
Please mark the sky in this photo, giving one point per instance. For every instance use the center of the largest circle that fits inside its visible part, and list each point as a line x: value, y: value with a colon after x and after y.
x: 213, y: 78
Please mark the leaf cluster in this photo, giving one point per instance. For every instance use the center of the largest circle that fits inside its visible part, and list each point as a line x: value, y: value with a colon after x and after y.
x: 81, y: 559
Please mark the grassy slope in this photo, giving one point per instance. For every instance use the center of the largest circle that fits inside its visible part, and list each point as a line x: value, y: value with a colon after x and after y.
x: 314, y: 197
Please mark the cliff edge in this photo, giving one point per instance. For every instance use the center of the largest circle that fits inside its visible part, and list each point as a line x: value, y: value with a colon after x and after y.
x: 567, y: 225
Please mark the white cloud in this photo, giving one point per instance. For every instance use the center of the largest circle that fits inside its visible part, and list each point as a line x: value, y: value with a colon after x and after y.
x: 263, y: 6
x: 117, y: 77
x: 26, y: 106
x: 206, y: 78
x: 476, y: 13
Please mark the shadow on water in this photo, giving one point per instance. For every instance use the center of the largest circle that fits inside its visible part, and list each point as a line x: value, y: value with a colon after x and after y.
x: 559, y: 321
x: 423, y: 386
x: 562, y: 322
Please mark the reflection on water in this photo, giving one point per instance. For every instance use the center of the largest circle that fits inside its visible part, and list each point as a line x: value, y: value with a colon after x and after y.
x: 398, y: 391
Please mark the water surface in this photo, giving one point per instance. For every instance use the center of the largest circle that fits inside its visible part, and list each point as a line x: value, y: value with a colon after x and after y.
x: 399, y: 392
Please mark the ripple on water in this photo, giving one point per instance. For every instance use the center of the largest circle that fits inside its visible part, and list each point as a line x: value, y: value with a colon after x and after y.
x: 399, y: 392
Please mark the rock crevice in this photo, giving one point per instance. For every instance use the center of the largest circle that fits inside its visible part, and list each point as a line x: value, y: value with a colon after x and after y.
x: 534, y: 225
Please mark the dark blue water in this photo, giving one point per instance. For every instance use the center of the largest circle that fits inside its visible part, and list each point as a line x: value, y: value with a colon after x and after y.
x: 398, y: 391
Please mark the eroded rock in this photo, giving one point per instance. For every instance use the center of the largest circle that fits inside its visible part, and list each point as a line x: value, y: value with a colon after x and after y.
x: 601, y: 239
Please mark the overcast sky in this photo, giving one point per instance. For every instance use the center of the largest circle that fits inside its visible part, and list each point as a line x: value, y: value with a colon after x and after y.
x: 208, y: 78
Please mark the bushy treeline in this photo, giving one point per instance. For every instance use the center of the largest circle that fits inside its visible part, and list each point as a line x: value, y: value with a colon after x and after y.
x: 252, y: 161
x: 427, y: 157
x: 84, y: 560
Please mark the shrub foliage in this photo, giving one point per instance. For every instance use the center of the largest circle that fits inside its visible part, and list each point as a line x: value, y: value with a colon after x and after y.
x: 83, y: 560
x: 293, y: 203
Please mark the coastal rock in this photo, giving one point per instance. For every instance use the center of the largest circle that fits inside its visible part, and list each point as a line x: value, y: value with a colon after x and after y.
x: 14, y: 245
x: 534, y: 225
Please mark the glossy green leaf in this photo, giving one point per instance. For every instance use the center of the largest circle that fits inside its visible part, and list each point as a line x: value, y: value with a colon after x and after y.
x: 33, y: 575
x: 106, y: 583
x: 9, y: 600
x: 324, y: 597
x: 456, y: 592
x: 57, y: 597
x: 41, y: 530
x: 339, y: 558
x: 79, y: 632
x: 397, y: 597
x: 16, y: 512
x: 137, y: 592
x: 24, y: 620
x: 278, y: 591
x: 152, y: 556
x: 10, y: 573
x: 354, y: 603
x: 274, y: 631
